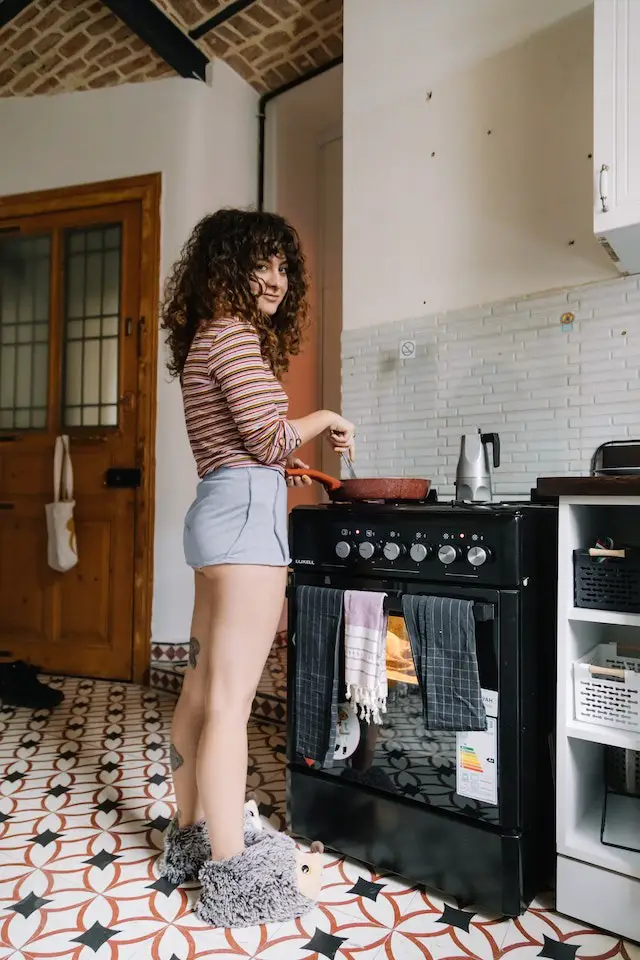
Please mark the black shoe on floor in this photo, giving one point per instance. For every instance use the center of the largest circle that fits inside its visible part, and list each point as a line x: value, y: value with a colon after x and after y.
x: 20, y: 687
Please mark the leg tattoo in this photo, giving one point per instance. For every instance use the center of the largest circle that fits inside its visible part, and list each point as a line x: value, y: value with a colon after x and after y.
x: 194, y: 652
x: 175, y: 758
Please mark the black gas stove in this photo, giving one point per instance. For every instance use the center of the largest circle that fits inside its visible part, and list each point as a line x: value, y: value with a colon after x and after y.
x: 472, y: 816
x: 438, y: 541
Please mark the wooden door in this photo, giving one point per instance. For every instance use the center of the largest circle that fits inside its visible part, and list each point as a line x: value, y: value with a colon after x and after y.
x: 70, y: 332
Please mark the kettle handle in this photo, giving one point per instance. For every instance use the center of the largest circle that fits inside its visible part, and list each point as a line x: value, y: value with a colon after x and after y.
x: 494, y: 440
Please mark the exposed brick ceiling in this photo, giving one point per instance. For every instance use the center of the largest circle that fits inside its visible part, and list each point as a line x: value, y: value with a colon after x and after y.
x: 63, y: 45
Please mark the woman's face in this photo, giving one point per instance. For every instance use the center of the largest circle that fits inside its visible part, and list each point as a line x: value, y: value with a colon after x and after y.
x: 270, y: 283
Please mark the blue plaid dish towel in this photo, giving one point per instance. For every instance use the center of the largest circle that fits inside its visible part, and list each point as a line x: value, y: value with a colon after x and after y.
x: 442, y: 631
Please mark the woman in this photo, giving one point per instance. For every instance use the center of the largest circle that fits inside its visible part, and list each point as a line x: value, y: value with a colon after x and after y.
x: 234, y: 309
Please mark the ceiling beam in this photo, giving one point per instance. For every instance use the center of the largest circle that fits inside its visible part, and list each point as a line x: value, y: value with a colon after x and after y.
x: 221, y: 17
x: 9, y: 10
x: 161, y: 34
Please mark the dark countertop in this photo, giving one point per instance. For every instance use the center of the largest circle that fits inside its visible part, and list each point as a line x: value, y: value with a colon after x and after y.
x: 588, y: 486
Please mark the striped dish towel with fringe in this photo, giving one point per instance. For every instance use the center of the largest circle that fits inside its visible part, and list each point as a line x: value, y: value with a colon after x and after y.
x: 365, y: 653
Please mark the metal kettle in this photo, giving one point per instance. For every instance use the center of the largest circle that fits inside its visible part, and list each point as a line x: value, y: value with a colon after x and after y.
x: 473, y: 473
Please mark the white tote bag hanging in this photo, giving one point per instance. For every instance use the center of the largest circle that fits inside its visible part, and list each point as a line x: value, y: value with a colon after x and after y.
x: 62, y: 549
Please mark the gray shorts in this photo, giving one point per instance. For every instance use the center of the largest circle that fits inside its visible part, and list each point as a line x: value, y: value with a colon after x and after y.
x: 239, y: 516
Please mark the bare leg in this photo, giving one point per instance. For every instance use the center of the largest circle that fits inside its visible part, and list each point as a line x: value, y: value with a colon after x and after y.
x: 188, y: 718
x: 246, y: 603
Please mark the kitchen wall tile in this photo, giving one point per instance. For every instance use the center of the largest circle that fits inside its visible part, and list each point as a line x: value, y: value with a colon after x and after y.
x: 553, y: 392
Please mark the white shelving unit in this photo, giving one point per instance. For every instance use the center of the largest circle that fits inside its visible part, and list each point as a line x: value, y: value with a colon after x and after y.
x: 605, y: 616
x: 596, y: 883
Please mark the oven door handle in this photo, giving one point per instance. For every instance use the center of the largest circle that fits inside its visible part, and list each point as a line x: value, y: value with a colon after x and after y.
x: 482, y: 612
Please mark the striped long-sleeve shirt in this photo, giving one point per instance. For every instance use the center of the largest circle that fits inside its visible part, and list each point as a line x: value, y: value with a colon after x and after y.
x: 235, y: 409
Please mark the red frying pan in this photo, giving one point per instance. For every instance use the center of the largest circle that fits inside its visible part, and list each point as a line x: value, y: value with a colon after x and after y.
x: 369, y: 488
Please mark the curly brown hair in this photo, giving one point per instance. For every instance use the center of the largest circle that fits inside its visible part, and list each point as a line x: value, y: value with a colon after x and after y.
x: 212, y: 280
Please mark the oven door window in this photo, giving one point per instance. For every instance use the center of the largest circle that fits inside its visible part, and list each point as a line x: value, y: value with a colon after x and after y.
x: 454, y: 772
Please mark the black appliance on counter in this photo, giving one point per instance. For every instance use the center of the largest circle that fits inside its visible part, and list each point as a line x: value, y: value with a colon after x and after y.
x: 470, y: 817
x: 616, y: 458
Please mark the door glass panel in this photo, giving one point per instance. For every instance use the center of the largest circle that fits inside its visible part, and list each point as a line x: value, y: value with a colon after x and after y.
x: 92, y: 309
x: 25, y: 268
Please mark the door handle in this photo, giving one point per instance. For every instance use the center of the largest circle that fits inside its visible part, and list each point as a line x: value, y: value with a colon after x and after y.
x: 603, y: 187
x: 123, y: 478
x: 7, y: 506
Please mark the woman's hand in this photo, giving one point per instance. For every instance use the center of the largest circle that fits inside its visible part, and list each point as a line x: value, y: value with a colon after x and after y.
x: 293, y: 463
x: 341, y: 435
x: 338, y: 431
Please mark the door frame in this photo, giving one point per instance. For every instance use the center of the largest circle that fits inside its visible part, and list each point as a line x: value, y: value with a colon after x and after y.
x: 145, y: 189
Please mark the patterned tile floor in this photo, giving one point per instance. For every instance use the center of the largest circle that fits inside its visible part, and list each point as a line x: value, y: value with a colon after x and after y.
x: 85, y: 795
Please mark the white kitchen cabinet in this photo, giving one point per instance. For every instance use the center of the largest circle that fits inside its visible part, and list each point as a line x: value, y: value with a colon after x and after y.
x: 596, y: 883
x: 616, y: 153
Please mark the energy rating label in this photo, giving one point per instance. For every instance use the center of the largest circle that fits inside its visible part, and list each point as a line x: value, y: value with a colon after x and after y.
x: 469, y: 760
x: 477, y: 757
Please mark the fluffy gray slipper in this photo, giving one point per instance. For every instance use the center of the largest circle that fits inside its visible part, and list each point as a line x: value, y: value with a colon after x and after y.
x: 259, y: 885
x: 185, y: 851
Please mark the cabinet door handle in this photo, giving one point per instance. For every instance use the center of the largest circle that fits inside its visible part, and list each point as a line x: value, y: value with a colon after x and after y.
x: 603, y: 186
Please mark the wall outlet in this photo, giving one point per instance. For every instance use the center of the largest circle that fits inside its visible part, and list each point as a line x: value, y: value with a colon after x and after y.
x: 407, y: 349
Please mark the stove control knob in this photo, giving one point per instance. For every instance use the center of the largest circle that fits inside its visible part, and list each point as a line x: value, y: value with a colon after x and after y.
x: 448, y: 554
x: 366, y: 550
x: 477, y: 556
x: 419, y: 552
x: 343, y: 550
x: 391, y: 550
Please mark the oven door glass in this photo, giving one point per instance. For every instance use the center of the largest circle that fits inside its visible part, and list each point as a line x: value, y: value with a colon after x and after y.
x: 456, y: 772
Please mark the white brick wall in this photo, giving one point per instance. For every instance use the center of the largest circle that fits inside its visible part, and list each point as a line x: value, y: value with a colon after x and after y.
x: 553, y: 393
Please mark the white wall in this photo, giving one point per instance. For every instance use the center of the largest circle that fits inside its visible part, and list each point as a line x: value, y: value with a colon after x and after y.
x: 330, y: 281
x: 203, y: 139
x: 298, y: 124
x: 488, y: 216
x: 489, y: 219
